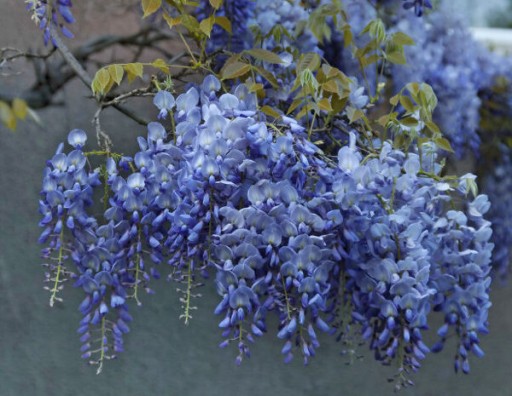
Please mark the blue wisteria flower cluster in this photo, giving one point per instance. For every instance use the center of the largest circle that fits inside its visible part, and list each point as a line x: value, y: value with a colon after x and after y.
x: 276, y: 180
x: 45, y: 13
x: 498, y: 185
x: 278, y: 26
x: 417, y: 5
x: 457, y: 73
x: 371, y: 242
x: 461, y: 71
x: 239, y: 12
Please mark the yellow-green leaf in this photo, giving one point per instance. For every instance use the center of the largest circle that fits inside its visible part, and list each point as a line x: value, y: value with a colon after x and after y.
x: 407, y: 103
x: 325, y: 104
x: 172, y: 21
x: 216, y: 3
x: 369, y: 60
x: 20, y: 108
x: 295, y: 104
x: 206, y: 25
x: 7, y: 116
x: 413, y: 88
x: 109, y: 86
x: 264, y: 55
x: 267, y: 76
x: 330, y: 86
x: 270, y: 111
x: 338, y: 103
x: 354, y: 114
x: 398, y: 58
x: 190, y: 22
x: 116, y: 73
x: 409, y: 121
x: 224, y: 23
x: 444, y: 144
x: 348, y: 37
x: 133, y: 70
x: 150, y: 6
x: 433, y: 127
x: 400, y: 38
x: 309, y: 61
x: 101, y: 81
x: 234, y: 70
x: 255, y: 87
x: 161, y: 64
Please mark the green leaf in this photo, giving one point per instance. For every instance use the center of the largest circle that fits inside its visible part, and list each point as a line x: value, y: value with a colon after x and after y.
x: 150, y: 7
x: 234, y: 70
x: 400, y: 38
x: 133, y: 70
x: 407, y: 104
x: 369, y: 60
x: 384, y: 120
x: 216, y: 3
x: 310, y: 60
x: 307, y: 109
x: 325, y: 104
x: 172, y: 21
x: 348, y: 37
x: 296, y: 103
x: 224, y: 23
x: 331, y: 86
x: 338, y: 103
x: 161, y: 64
x: 206, y: 25
x: 471, y: 186
x: 430, y: 96
x: 20, y: 108
x: 116, y: 73
x: 443, y: 144
x: 354, y: 114
x: 264, y: 55
x: 307, y: 79
x: 413, y: 88
x: 101, y: 81
x: 190, y: 22
x: 409, y: 121
x: 267, y: 76
x: 433, y: 127
x: 396, y: 57
x: 376, y: 30
x: 256, y: 88
x: 270, y: 111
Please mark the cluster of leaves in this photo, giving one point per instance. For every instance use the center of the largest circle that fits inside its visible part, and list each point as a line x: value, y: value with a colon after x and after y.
x: 309, y: 196
x: 109, y: 76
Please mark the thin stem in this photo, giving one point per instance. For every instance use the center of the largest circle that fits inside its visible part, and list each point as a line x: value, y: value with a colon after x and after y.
x: 55, y: 288
x: 102, y: 348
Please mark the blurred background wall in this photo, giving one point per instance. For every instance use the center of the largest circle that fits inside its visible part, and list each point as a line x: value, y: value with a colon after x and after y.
x: 39, y: 347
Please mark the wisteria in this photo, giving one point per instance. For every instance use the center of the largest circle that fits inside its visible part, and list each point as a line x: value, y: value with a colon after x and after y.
x: 46, y: 13
x: 498, y: 186
x: 280, y: 224
x: 238, y: 12
x: 303, y: 173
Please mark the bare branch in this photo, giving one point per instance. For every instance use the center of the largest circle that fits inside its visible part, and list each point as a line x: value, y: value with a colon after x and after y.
x: 53, y: 75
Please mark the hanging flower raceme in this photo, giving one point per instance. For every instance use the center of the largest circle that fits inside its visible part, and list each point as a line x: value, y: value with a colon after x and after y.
x: 45, y: 12
x: 499, y: 187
